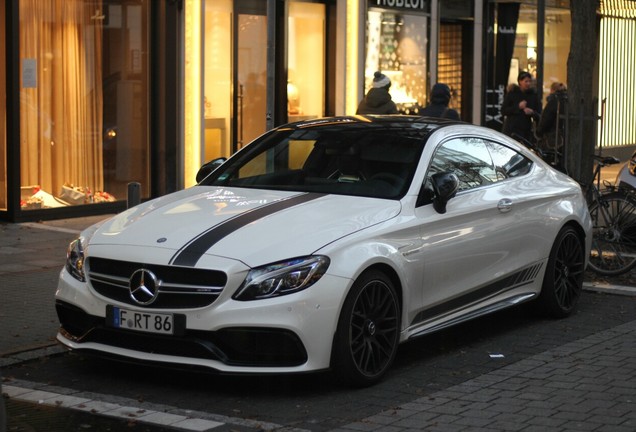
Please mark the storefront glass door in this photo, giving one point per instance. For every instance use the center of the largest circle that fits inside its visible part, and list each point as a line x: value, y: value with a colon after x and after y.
x: 250, y: 86
x: 235, y: 70
x: 217, y: 79
x: 235, y: 67
x: 305, y: 61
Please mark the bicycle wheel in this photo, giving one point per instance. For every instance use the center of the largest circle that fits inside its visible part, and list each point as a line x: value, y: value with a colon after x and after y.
x: 614, y: 237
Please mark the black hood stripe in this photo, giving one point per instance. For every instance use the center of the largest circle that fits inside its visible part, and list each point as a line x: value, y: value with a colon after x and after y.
x: 190, y: 253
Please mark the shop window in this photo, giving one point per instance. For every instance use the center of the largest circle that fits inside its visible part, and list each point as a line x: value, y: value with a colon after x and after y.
x: 397, y: 46
x: 555, y: 51
x: 83, y: 101
x: 556, y: 47
x: 306, y: 61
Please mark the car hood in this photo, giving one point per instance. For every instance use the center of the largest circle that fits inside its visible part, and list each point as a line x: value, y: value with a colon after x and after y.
x: 249, y: 225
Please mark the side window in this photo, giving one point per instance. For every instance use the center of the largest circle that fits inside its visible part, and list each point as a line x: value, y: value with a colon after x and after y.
x: 508, y: 163
x: 476, y: 162
x: 469, y: 158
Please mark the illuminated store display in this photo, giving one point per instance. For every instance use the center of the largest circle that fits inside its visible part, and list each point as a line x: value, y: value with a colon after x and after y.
x: 397, y: 46
x: 83, y: 101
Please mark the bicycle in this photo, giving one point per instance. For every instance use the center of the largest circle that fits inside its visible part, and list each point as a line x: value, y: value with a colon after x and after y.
x: 613, y: 213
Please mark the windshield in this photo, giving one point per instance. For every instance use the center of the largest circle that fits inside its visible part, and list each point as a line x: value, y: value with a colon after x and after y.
x: 362, y: 162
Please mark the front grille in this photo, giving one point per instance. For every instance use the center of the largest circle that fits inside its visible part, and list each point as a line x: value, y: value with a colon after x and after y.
x: 180, y: 288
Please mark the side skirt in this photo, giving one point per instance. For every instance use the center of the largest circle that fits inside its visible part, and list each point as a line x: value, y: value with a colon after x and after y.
x: 506, y: 303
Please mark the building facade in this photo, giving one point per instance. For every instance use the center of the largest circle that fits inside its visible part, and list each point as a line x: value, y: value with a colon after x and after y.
x: 108, y: 99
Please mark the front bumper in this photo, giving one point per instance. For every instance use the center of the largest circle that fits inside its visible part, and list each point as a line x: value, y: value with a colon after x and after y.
x: 238, y: 346
x: 287, y: 334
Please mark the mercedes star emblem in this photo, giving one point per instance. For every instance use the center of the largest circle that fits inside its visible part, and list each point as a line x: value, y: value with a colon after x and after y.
x: 144, y: 286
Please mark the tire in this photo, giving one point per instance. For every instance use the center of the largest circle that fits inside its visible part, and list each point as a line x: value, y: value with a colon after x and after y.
x: 614, y: 238
x: 368, y: 331
x: 563, y: 279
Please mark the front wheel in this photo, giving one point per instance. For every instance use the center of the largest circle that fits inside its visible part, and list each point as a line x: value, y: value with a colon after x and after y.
x: 368, y: 330
x: 614, y: 237
x: 563, y: 280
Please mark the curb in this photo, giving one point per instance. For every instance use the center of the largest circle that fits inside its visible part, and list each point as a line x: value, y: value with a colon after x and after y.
x: 606, y: 288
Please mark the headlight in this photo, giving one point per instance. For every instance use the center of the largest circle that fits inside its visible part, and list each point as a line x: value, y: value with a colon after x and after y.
x: 282, y: 278
x: 75, y: 260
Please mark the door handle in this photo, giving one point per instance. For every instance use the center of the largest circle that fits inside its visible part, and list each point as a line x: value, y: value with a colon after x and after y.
x: 504, y: 205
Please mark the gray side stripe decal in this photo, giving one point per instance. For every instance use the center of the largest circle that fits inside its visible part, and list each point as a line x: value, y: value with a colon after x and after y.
x: 189, y: 254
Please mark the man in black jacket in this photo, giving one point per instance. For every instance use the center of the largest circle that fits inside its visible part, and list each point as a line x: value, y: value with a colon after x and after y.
x: 378, y: 100
x: 520, y: 107
x: 440, y: 98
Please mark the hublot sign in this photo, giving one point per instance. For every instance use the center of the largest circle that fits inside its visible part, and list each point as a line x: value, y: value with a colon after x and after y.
x: 419, y: 5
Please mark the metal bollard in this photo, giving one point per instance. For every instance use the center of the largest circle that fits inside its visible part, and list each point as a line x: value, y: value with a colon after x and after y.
x: 134, y: 194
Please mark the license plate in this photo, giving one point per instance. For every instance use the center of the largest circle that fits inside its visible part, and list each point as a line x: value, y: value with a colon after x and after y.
x: 143, y: 321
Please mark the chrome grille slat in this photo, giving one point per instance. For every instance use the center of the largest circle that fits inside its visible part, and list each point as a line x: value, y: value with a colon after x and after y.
x: 190, y: 287
x: 111, y: 280
x: 180, y: 288
x: 189, y: 292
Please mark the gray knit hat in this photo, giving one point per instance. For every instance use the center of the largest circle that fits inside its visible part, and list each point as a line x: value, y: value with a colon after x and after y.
x: 380, y: 80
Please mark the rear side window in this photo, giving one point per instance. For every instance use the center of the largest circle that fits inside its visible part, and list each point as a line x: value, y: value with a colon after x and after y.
x: 477, y: 162
x: 508, y: 162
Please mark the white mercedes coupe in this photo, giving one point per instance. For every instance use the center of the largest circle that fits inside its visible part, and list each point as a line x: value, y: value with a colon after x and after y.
x: 324, y: 244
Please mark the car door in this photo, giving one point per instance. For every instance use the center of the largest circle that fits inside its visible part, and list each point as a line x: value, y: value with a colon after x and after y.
x: 470, y: 250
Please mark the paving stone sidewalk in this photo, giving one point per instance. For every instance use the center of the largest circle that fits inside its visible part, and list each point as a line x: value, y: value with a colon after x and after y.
x: 31, y: 257
x: 586, y: 385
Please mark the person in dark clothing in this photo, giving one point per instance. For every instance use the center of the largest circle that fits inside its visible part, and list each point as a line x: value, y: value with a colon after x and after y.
x: 521, y: 106
x: 551, y: 137
x: 438, y: 106
x: 378, y: 99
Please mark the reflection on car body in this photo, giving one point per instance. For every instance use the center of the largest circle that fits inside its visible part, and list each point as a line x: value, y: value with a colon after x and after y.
x: 323, y: 245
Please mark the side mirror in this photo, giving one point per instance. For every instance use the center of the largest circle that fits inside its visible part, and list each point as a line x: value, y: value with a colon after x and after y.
x: 445, y: 186
x: 207, y: 168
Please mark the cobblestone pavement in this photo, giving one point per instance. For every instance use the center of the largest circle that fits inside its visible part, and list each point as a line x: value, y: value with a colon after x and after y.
x: 31, y: 257
x: 587, y: 384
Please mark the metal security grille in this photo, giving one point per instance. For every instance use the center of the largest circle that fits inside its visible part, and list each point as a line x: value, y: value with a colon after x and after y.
x: 449, y: 61
x: 617, y: 68
x: 618, y: 8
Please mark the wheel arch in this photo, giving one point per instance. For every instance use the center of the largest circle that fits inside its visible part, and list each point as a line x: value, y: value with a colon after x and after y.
x: 577, y: 227
x: 583, y: 235
x: 392, y: 274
